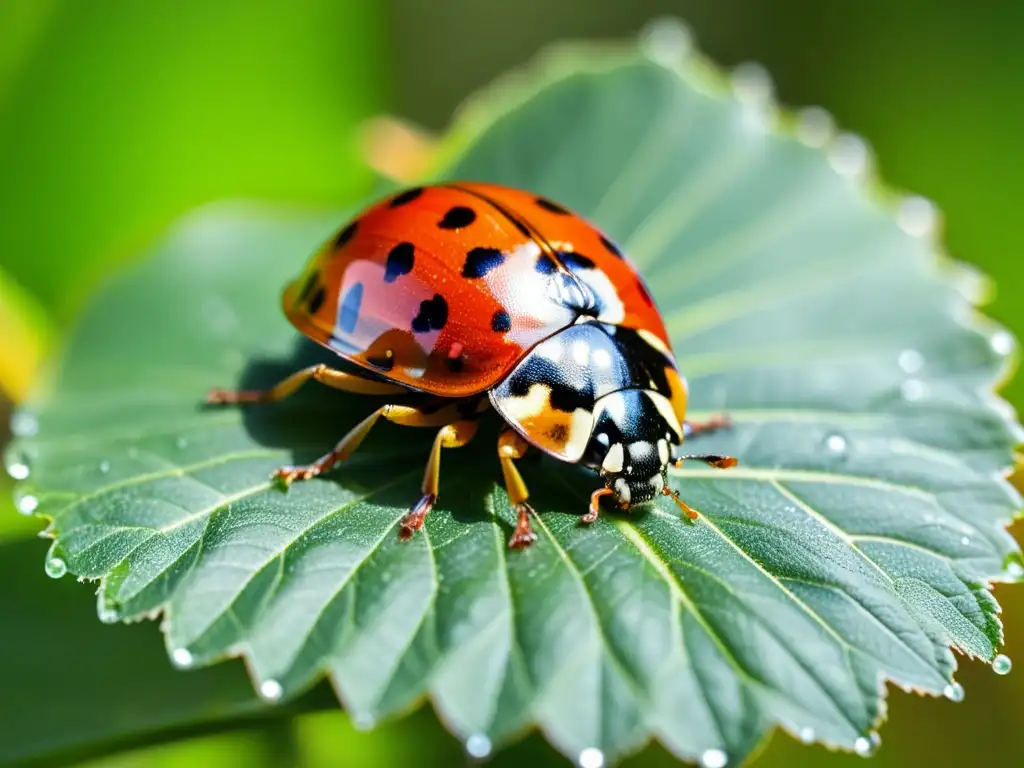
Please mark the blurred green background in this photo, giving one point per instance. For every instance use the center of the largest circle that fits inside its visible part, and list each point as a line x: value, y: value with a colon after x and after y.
x: 118, y: 116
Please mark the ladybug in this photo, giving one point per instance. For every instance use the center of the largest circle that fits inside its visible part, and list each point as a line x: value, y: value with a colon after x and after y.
x: 483, y: 296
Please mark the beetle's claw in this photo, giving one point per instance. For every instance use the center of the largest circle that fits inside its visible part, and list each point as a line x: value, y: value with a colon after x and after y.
x: 523, y: 536
x: 414, y: 518
x: 285, y: 476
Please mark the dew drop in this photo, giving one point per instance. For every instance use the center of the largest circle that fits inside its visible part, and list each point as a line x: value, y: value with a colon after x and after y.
x: 807, y: 734
x: 666, y: 41
x: 107, y: 614
x: 849, y: 155
x: 752, y: 84
x: 17, y: 469
x: 910, y: 361
x: 954, y: 692
x: 814, y: 126
x: 965, y: 540
x: 865, y: 745
x: 1014, y: 570
x: 182, y: 658
x: 478, y: 746
x: 917, y: 216
x: 1001, y: 664
x: 24, y: 424
x: 913, y: 390
x: 591, y: 757
x: 714, y: 758
x: 835, y: 443
x: 271, y: 690
x: 26, y: 504
x: 1002, y: 342
x: 55, y: 566
x: 182, y: 443
x: 362, y: 722
x: 104, y: 467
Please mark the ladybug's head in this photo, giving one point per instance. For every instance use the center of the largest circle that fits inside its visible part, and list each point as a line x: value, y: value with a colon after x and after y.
x: 631, y: 444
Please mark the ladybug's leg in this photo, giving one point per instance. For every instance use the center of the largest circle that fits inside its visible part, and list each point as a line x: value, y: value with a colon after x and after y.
x: 400, y: 414
x: 714, y: 424
x: 338, y: 379
x: 454, y: 435
x: 512, y: 446
x: 719, y: 462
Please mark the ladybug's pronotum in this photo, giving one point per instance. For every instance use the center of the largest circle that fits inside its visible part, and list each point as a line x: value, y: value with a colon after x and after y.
x: 481, y: 295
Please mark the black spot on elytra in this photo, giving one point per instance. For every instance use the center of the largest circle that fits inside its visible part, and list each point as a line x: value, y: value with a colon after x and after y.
x: 550, y: 206
x: 348, y: 313
x: 575, y: 260
x: 559, y: 433
x: 612, y: 247
x: 457, y: 217
x: 383, y: 362
x: 400, y: 262
x: 406, y: 197
x: 644, y: 293
x: 546, y: 265
x: 345, y: 235
x: 480, y: 261
x: 456, y: 364
x: 501, y: 322
x: 307, y: 288
x: 433, y: 315
x: 317, y: 300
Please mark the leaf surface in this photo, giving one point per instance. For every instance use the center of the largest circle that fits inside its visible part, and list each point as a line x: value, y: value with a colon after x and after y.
x: 854, y: 543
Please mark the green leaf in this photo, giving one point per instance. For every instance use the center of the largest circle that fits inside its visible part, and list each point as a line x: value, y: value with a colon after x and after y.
x: 854, y: 544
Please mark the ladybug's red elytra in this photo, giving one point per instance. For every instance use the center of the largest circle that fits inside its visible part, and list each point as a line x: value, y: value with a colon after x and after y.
x: 486, y: 296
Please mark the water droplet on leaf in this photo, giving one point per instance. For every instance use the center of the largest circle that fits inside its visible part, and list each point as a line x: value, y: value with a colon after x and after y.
x: 16, y: 466
x: 182, y: 658
x: 910, y: 361
x: 666, y: 41
x: 271, y: 690
x: 917, y: 216
x: 835, y: 443
x: 954, y: 692
x: 1001, y: 664
x: 26, y: 503
x: 807, y: 734
x: 55, y: 565
x: 362, y: 722
x: 1014, y: 570
x: 1001, y: 342
x: 814, y: 127
x: 714, y: 758
x: 104, y: 467
x: 24, y: 424
x: 913, y: 390
x: 965, y: 540
x: 849, y: 155
x: 752, y: 84
x: 478, y: 746
x: 862, y: 746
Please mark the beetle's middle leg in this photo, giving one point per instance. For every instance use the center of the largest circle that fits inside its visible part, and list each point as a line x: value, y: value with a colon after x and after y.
x: 512, y: 446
